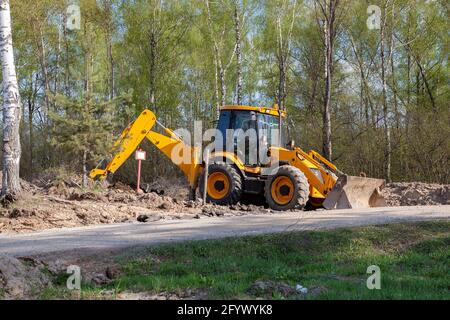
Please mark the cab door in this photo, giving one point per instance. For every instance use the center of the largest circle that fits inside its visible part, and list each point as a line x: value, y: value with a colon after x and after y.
x: 245, y: 136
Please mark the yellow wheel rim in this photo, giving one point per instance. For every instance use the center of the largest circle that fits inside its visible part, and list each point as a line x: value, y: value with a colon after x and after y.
x: 282, y: 190
x: 218, y: 185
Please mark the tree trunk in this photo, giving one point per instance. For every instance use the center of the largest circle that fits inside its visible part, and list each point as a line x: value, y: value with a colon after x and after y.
x: 427, y: 86
x: 153, y: 44
x: 237, y: 24
x: 216, y: 87
x: 44, y: 69
x: 283, y: 53
x: 109, y: 48
x: 11, y: 106
x: 329, y: 11
x: 217, y: 61
x: 387, y: 146
x: 85, y: 172
x: 223, y: 85
x: 221, y: 66
x: 88, y: 72
x: 392, y: 65
x: 365, y: 92
x: 31, y: 138
x: 327, y: 149
x: 67, y: 64
x: 57, y: 64
x: 112, y: 80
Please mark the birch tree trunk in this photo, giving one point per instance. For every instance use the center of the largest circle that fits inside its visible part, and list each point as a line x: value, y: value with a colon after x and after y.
x: 281, y: 67
x: 216, y: 60
x: 327, y: 150
x: 11, y: 106
x: 237, y: 25
x: 329, y: 11
x: 283, y: 53
x: 221, y: 67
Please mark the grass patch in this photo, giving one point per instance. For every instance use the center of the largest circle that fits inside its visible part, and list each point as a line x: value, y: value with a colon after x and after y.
x: 414, y: 259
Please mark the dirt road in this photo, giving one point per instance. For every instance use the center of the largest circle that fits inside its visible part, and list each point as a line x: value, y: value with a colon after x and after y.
x: 122, y: 235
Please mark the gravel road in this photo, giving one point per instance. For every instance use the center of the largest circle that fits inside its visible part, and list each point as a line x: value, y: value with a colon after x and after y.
x: 117, y: 236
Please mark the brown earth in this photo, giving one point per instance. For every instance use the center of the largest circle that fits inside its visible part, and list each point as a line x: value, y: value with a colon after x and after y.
x: 47, y: 204
x: 416, y: 194
x: 21, y: 278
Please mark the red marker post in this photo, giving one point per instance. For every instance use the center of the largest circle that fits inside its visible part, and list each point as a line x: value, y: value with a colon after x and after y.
x: 139, y: 156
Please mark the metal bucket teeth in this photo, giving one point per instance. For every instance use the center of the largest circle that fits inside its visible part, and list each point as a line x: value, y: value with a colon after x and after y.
x: 355, y: 192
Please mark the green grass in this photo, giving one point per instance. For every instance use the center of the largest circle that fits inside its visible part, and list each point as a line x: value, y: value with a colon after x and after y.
x: 414, y: 259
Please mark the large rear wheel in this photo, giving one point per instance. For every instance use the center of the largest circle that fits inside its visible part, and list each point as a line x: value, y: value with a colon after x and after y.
x: 224, y: 184
x: 287, y: 189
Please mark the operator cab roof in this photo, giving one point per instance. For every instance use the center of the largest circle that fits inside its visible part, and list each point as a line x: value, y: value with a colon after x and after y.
x: 274, y: 111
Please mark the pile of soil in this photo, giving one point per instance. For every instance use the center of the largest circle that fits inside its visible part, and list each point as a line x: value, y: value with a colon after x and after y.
x: 416, y: 194
x: 21, y: 278
x: 62, y: 203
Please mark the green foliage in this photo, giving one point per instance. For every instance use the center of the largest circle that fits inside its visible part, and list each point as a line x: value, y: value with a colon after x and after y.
x: 163, y: 54
x: 84, y: 126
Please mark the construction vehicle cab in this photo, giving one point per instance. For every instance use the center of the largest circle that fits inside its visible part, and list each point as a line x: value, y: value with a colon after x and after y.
x: 247, y: 135
x: 250, y: 156
x: 245, y: 123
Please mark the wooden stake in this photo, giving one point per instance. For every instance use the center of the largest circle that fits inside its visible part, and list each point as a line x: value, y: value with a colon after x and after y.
x: 205, y: 181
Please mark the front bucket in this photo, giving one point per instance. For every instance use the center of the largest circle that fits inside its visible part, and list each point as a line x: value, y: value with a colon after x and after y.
x: 355, y: 192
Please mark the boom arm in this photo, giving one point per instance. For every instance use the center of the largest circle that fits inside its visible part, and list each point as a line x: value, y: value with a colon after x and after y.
x: 131, y: 138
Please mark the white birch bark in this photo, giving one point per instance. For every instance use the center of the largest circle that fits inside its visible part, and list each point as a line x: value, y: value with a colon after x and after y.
x: 237, y: 26
x: 11, y: 106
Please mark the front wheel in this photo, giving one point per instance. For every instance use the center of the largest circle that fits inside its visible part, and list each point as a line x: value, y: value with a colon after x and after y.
x: 287, y: 189
x: 224, y: 184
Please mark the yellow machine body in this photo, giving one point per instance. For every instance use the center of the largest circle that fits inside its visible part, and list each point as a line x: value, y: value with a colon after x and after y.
x: 325, y: 188
x: 133, y: 136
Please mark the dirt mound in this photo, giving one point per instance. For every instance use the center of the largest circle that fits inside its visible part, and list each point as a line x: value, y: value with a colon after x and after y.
x: 416, y: 194
x: 79, y: 196
x: 21, y: 278
x: 174, y: 188
x: 60, y: 203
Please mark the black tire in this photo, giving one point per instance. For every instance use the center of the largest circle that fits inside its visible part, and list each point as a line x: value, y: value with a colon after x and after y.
x: 300, y: 193
x: 235, y: 184
x: 309, y: 206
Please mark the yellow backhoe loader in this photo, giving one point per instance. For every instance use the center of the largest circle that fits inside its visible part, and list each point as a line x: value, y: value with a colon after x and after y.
x: 284, y: 174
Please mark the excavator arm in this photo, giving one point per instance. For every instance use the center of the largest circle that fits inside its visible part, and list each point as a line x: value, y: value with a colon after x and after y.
x: 183, y: 155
